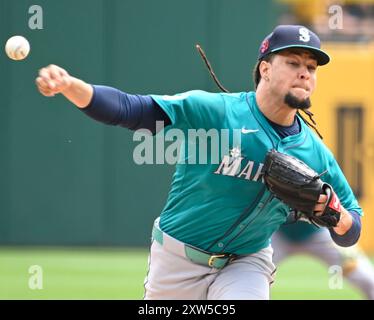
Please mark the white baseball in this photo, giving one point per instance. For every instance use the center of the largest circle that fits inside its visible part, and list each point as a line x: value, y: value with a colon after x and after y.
x: 17, y: 48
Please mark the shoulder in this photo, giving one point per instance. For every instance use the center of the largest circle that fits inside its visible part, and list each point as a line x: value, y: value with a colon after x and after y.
x: 200, y: 96
x: 197, y: 108
x: 190, y: 95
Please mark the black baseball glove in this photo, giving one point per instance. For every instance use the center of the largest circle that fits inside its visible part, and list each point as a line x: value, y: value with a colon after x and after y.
x: 299, y: 186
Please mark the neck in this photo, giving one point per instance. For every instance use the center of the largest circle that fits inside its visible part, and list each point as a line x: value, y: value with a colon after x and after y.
x: 274, y: 108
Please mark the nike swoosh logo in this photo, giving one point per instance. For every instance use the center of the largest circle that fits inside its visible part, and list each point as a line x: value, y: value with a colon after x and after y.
x: 245, y: 131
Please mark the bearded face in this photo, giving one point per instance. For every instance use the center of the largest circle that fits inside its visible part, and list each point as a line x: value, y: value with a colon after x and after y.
x: 297, y: 103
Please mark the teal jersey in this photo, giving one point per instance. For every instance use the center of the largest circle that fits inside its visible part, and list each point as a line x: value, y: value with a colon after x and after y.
x: 299, y: 231
x: 224, y: 206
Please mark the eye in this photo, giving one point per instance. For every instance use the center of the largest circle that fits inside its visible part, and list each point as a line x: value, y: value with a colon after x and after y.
x: 293, y: 63
x: 312, y: 68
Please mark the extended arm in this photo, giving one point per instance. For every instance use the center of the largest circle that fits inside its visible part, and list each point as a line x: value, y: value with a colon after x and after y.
x: 105, y: 104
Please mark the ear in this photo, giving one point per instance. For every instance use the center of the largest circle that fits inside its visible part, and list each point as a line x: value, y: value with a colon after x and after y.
x: 264, y: 69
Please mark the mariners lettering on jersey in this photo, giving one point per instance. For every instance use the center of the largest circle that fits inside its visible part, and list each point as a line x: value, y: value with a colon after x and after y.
x: 235, y: 165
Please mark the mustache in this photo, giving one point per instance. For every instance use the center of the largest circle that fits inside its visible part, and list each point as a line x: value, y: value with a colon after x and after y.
x: 296, y: 103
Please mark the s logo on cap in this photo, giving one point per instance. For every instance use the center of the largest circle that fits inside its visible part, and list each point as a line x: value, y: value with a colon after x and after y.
x: 304, y: 35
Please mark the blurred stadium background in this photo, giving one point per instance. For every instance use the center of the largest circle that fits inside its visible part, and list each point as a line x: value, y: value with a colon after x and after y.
x: 71, y: 198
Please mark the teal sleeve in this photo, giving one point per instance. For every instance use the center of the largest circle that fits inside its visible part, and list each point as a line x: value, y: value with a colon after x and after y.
x: 193, y: 109
x: 338, y: 181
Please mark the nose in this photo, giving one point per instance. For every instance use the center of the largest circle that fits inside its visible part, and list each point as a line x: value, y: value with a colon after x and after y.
x: 304, y: 73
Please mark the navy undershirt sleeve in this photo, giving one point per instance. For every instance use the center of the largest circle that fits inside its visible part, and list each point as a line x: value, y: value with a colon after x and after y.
x: 114, y: 107
x: 352, y: 235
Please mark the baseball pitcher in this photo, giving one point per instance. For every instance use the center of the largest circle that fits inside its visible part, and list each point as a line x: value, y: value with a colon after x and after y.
x: 212, y: 239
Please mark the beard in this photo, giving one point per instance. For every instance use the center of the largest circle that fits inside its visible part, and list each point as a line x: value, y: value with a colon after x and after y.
x: 297, y: 103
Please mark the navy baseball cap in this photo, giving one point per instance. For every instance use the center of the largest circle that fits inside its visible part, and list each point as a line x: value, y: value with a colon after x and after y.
x: 293, y: 36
